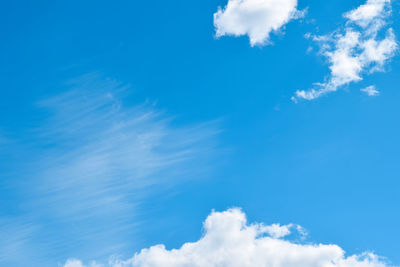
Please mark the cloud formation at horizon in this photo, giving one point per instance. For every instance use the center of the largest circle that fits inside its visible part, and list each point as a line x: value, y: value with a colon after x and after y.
x: 229, y: 240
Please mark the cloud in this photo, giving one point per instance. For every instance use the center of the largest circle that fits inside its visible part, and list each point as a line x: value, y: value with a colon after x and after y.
x: 102, y: 154
x: 87, y: 167
x: 73, y: 263
x: 370, y: 90
x: 14, y: 239
x: 371, y: 12
x: 255, y: 18
x: 78, y: 263
x: 363, y: 46
x: 229, y: 240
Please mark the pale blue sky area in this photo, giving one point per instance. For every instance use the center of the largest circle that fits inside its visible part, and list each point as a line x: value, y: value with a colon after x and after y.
x: 124, y: 123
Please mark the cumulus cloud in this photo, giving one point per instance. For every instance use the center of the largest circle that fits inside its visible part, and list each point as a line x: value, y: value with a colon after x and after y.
x: 255, y: 18
x: 362, y: 46
x: 229, y: 240
x: 370, y: 90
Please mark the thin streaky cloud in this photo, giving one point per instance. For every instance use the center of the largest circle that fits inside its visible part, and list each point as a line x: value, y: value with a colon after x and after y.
x: 370, y: 90
x: 112, y: 148
x: 93, y: 161
x: 14, y: 238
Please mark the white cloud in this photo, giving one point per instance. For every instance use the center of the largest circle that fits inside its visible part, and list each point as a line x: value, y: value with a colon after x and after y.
x: 370, y: 90
x: 255, y: 18
x: 362, y: 46
x: 368, y: 13
x: 230, y: 241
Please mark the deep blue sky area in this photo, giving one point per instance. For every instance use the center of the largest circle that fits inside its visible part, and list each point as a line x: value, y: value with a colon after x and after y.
x: 330, y: 165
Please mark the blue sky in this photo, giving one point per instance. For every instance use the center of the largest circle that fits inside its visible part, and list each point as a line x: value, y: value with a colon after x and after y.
x: 125, y: 123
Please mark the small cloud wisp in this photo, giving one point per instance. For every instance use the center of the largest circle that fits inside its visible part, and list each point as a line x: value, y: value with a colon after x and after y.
x: 370, y: 90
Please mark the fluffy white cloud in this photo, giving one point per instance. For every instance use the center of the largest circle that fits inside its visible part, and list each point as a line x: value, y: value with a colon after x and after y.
x: 365, y: 14
x: 370, y: 90
x: 255, y: 18
x: 229, y: 241
x: 363, y: 46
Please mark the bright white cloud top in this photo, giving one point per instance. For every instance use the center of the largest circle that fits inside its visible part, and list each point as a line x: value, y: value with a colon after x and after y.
x: 255, y: 18
x: 230, y: 241
x: 363, y: 46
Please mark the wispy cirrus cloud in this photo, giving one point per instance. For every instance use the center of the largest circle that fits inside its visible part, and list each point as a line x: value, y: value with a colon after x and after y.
x: 362, y: 46
x: 255, y: 18
x: 91, y: 162
x: 229, y: 240
x: 104, y: 150
x: 14, y: 239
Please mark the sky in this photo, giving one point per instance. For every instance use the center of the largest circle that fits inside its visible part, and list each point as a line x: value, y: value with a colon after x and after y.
x: 199, y: 133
